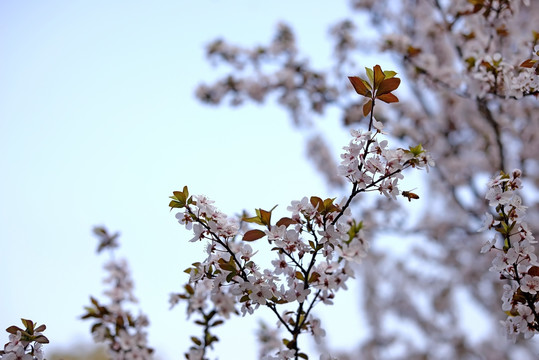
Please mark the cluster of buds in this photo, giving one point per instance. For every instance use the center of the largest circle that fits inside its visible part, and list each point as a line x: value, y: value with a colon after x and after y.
x: 515, y: 260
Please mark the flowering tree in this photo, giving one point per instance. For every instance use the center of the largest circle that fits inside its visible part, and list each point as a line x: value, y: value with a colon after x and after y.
x: 471, y: 71
x: 472, y: 79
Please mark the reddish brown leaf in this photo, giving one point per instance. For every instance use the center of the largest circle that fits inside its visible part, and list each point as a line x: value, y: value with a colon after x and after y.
x: 317, y: 203
x: 286, y: 221
x: 367, y: 108
x: 13, y: 329
x: 528, y: 63
x: 388, y: 85
x: 314, y: 277
x: 41, y: 339
x: 359, y: 86
x: 265, y: 216
x: 253, y: 235
x: 388, y: 98
x: 378, y: 76
x: 412, y: 51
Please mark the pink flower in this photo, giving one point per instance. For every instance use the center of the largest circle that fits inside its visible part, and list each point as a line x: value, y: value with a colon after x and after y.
x: 496, y: 196
x: 530, y: 284
x: 260, y: 294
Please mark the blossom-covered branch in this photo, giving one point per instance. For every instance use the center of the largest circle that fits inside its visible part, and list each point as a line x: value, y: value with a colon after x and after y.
x: 25, y: 344
x: 123, y: 333
x: 313, y: 247
x: 515, y: 259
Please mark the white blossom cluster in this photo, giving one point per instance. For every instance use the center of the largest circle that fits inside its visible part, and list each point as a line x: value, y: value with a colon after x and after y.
x: 515, y: 260
x: 493, y: 67
x: 126, y: 339
x: 313, y: 252
x: 16, y: 349
x: 369, y: 163
x: 293, y: 245
x: 314, y: 248
x: 123, y: 334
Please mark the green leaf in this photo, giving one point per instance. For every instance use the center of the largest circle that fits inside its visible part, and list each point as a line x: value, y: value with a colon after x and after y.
x: 176, y: 204
x: 285, y: 342
x: 417, y: 150
x: 180, y: 196
x: 290, y: 344
x: 370, y: 75
x: 227, y: 266
x: 212, y: 339
x: 196, y: 340
x: 231, y: 275
x: 29, y: 325
x: 263, y: 217
x: 389, y: 74
x: 329, y: 206
x: 186, y: 191
x: 254, y: 219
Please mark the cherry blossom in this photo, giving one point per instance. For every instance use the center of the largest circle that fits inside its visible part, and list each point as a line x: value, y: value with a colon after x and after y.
x: 516, y: 260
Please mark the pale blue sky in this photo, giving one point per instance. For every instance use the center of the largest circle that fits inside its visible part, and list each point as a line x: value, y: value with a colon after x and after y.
x: 98, y: 125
